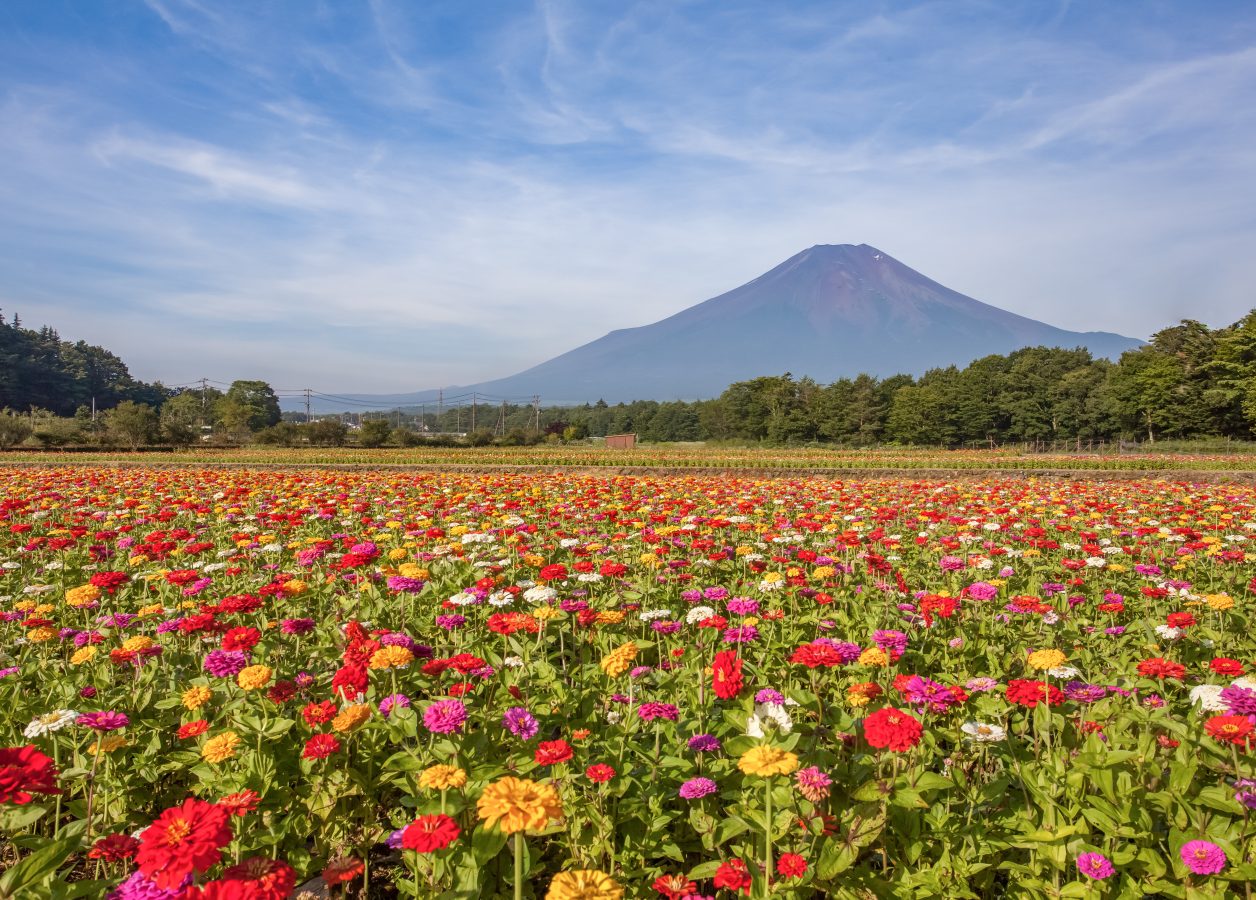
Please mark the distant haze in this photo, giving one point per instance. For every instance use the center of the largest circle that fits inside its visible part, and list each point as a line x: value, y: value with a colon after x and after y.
x: 827, y: 312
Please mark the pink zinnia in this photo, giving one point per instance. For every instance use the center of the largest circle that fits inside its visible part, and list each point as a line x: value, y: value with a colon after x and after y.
x: 445, y: 716
x: 103, y: 721
x: 813, y: 784
x: 1095, y: 865
x: 1203, y: 857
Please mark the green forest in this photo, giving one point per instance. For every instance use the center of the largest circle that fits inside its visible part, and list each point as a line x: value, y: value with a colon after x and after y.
x: 1189, y: 381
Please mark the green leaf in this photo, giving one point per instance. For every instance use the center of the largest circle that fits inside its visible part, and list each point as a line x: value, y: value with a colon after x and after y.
x: 36, y: 868
x: 486, y: 843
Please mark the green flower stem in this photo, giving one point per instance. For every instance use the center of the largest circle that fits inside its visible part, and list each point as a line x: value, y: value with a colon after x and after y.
x: 518, y: 865
x: 767, y: 836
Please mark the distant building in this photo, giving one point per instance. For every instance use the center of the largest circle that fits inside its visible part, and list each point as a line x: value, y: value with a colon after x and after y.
x: 621, y: 441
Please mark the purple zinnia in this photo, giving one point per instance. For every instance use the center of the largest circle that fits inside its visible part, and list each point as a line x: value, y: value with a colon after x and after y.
x: 1244, y: 793
x: 404, y: 584
x: 741, y: 635
x: 704, y: 743
x: 225, y: 663
x: 1240, y: 700
x: 296, y: 626
x: 1203, y: 857
x: 768, y: 695
x: 890, y: 640
x: 449, y: 623
x: 391, y: 702
x: 521, y: 723
x: 1084, y: 693
x: 1095, y: 865
x: 138, y: 887
x: 698, y: 787
x: 445, y: 716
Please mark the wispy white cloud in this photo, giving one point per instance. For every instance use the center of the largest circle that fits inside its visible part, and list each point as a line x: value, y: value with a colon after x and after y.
x: 397, y: 196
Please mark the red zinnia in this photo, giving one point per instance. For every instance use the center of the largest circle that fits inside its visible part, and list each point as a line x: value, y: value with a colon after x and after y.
x: 734, y: 876
x: 257, y: 878
x: 550, y: 753
x: 791, y: 865
x: 893, y: 729
x: 1030, y: 693
x: 427, y: 834
x: 192, y: 729
x: 240, y: 803
x: 726, y: 674
x: 556, y: 572
x: 320, y: 746
x: 109, y: 581
x: 674, y: 887
x: 114, y: 848
x: 1158, y: 667
x: 1180, y: 620
x: 182, y: 840
x: 1230, y: 729
x: 1223, y: 665
x: 23, y: 770
x: 814, y: 655
x: 316, y: 714
x: 241, y: 638
x: 599, y: 773
x: 342, y: 869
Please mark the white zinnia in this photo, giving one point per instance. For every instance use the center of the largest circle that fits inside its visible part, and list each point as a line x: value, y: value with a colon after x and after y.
x: 699, y: 614
x: 1208, y: 697
x: 50, y: 722
x: 774, y: 715
x: 983, y: 733
x: 539, y: 594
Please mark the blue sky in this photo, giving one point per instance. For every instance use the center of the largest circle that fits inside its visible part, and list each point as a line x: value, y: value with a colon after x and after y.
x: 384, y: 195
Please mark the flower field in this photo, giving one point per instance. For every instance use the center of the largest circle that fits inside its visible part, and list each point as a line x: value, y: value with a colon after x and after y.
x: 223, y: 683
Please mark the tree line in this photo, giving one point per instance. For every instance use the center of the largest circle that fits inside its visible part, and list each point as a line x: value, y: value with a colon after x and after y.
x: 1189, y: 381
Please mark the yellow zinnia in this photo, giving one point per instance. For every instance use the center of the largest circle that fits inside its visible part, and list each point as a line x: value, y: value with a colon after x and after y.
x: 873, y: 656
x: 107, y: 744
x: 82, y: 655
x: 766, y: 761
x: 1219, y: 601
x: 41, y: 634
x: 516, y: 804
x: 618, y: 661
x: 221, y: 747
x: 251, y: 678
x: 390, y: 657
x: 1047, y: 659
x: 196, y: 696
x: 82, y: 595
x: 137, y: 643
x: 584, y: 884
x: 440, y: 778
x: 351, y: 717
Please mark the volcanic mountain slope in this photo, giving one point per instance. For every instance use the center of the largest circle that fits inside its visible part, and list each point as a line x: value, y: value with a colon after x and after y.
x: 828, y: 312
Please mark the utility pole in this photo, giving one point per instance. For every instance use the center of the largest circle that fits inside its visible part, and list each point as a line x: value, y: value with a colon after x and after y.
x: 473, y: 398
x: 440, y: 408
x: 204, y: 400
x: 500, y: 427
x: 307, y: 406
x: 536, y: 413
